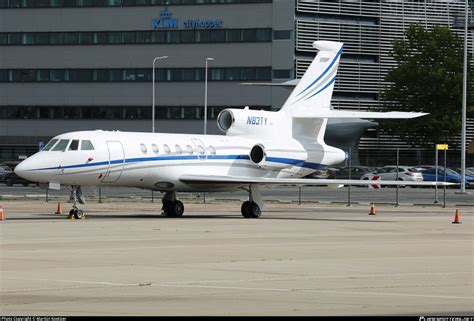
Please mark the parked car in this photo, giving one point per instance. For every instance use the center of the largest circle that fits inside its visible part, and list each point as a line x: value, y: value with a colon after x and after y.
x: 12, y: 179
x: 4, y: 170
x: 356, y: 172
x: 389, y: 173
x: 469, y: 172
x: 323, y: 173
x: 429, y: 175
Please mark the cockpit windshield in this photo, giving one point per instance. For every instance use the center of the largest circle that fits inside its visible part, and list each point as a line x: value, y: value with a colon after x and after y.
x: 61, y: 146
x: 50, y: 144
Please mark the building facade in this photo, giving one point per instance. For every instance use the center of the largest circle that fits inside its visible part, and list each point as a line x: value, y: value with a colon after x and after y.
x: 86, y: 64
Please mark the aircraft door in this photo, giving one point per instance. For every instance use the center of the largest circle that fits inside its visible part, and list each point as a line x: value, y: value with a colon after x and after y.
x: 116, y: 162
x: 200, y: 148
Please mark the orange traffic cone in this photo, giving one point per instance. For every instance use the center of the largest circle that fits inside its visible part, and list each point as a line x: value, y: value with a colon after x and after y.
x: 2, y: 216
x: 456, y: 218
x: 372, y: 209
x: 58, y: 209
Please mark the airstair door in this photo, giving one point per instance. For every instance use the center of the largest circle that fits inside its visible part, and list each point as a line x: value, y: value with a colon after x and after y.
x: 116, y: 162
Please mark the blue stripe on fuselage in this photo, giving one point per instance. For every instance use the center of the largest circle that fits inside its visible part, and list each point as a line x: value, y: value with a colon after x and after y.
x: 294, y: 162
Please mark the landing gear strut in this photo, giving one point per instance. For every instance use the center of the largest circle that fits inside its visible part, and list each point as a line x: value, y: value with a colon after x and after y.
x: 77, y: 197
x: 253, y: 207
x: 171, y: 206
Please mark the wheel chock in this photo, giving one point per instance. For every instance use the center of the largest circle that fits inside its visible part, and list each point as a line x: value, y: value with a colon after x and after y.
x: 71, y: 217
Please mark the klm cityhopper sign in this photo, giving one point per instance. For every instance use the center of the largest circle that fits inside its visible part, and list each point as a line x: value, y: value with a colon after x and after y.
x: 166, y: 21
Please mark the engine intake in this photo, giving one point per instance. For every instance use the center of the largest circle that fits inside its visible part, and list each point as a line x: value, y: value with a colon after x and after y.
x: 225, y: 120
x: 257, y: 154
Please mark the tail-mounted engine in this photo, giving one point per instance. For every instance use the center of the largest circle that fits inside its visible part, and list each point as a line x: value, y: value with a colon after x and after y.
x: 250, y: 122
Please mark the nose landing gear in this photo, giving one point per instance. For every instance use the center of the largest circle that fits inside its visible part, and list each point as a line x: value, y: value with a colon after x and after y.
x: 77, y: 197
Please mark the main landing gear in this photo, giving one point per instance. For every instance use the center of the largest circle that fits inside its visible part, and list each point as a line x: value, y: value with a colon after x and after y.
x: 171, y: 206
x: 77, y: 197
x: 253, y: 207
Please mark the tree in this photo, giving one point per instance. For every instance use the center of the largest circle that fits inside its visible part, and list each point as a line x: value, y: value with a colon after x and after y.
x: 428, y: 78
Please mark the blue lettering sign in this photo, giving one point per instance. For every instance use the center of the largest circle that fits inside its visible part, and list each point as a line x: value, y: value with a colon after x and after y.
x: 165, y: 22
x: 252, y: 120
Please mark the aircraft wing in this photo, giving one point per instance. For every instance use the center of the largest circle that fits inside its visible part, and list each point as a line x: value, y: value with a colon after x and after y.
x: 359, y: 114
x: 245, y: 181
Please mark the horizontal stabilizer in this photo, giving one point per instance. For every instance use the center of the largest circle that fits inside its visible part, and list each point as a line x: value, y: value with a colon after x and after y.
x: 330, y: 113
x: 245, y: 181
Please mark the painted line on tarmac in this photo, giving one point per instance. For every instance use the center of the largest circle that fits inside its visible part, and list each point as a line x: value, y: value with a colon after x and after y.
x: 315, y: 291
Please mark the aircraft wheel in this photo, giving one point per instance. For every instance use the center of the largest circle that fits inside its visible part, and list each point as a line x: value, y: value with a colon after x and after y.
x: 174, y: 209
x: 254, y: 210
x: 245, y: 209
x: 78, y: 214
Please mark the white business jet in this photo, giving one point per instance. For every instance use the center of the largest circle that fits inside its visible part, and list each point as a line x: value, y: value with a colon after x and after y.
x: 260, y: 148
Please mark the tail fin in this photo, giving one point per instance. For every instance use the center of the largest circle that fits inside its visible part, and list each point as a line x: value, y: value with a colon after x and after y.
x: 315, y: 88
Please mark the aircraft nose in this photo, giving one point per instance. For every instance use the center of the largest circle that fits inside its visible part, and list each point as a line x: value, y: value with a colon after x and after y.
x: 21, y: 168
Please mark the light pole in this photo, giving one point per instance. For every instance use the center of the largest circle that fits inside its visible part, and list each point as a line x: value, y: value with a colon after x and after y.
x: 153, y: 107
x: 205, y: 97
x: 464, y: 103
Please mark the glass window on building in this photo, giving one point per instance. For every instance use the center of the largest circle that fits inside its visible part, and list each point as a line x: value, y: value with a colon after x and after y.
x: 248, y: 73
x: 14, y: 3
x: 174, y: 74
x: 217, y: 74
x: 175, y: 112
x: 45, y: 112
x: 217, y: 36
x: 28, y: 38
x: 56, y: 38
x: 23, y: 75
x: 281, y: 74
x: 282, y: 34
x: 188, y: 36
x: 203, y: 36
x: 263, y: 74
x: 115, y: 75
x: 71, y: 38
x: 161, y: 74
x: 86, y: 38
x: 249, y: 35
x: 72, y: 113
x: 129, y: 37
x: 172, y: 37
x: 114, y: 3
x: 58, y: 75
x: 114, y: 37
x: 143, y: 75
x: 84, y: 3
x: 188, y: 74
x: 43, y: 75
x: 100, y: 75
x: 42, y: 38
x: 143, y: 37
x: 263, y: 35
x: 129, y: 75
x: 14, y: 38
x: 233, y: 35
x: 232, y: 74
x: 4, y: 76
x: 3, y: 38
x: 100, y: 38
x: 158, y: 37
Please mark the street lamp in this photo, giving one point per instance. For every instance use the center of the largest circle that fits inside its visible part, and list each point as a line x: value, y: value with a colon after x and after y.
x: 464, y: 104
x: 153, y: 109
x: 205, y: 97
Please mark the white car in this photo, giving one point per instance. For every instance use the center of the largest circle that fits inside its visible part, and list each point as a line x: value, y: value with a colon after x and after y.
x: 389, y: 173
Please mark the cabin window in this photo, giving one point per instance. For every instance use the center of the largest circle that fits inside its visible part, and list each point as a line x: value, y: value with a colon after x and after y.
x: 166, y: 148
x: 87, y: 145
x: 212, y: 150
x: 155, y: 149
x: 178, y: 149
x: 201, y: 150
x: 189, y: 150
x: 143, y: 148
x: 74, y: 145
x: 51, y: 143
x: 61, y: 146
